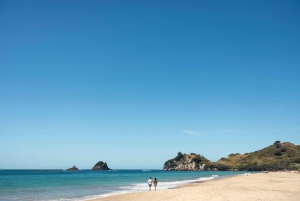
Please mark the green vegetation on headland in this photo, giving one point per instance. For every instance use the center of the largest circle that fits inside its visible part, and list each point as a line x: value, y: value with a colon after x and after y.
x: 279, y: 156
x: 186, y: 162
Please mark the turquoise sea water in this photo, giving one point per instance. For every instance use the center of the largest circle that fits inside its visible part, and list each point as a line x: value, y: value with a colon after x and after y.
x: 86, y: 184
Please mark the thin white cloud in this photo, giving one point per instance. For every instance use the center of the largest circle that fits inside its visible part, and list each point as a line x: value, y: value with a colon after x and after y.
x: 191, y: 132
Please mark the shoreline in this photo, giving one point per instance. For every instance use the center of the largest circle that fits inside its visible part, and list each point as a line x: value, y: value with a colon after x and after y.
x: 258, y: 186
x: 180, y: 184
x: 215, y: 179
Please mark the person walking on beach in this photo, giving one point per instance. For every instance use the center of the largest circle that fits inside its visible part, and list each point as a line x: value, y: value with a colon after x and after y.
x: 155, y: 183
x: 150, y: 183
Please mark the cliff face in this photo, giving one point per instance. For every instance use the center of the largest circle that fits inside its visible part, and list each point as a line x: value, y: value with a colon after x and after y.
x: 101, y: 166
x: 186, y: 162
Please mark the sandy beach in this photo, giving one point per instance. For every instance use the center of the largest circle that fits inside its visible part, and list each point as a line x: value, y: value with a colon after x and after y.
x: 261, y: 186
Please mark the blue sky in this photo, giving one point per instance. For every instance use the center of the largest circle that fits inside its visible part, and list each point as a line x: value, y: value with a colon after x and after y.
x: 134, y: 82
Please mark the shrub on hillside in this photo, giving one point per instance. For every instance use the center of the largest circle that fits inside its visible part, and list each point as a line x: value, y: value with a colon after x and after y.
x: 283, y: 149
x: 220, y: 167
x: 197, y: 160
x: 297, y: 160
x: 234, y: 154
x: 277, y: 153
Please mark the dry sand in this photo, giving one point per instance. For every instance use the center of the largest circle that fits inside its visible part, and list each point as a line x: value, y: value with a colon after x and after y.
x: 261, y: 186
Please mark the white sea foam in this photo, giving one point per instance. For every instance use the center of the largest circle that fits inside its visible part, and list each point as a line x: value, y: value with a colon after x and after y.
x: 139, y: 187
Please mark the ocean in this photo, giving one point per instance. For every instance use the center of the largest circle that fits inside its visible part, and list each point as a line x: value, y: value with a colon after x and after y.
x: 29, y: 185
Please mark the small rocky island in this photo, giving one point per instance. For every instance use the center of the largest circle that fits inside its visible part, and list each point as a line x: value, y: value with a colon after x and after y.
x: 74, y: 168
x: 101, y: 166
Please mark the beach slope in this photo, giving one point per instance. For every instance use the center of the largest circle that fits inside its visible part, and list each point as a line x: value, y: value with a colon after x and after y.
x: 261, y: 186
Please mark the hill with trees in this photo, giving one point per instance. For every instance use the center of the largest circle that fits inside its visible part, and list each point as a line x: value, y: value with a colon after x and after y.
x: 279, y: 156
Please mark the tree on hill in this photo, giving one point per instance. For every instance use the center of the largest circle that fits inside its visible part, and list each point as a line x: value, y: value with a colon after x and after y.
x: 197, y: 160
x: 277, y: 153
x: 179, y: 156
x: 232, y: 154
x: 283, y: 149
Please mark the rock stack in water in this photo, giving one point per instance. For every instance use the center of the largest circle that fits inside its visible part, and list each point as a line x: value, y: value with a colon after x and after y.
x: 101, y: 166
x: 74, y: 168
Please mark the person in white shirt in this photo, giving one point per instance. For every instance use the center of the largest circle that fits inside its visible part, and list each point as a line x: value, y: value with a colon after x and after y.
x: 150, y: 183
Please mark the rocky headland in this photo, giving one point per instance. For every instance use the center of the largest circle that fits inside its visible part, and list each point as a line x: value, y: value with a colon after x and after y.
x: 186, y: 162
x: 278, y: 156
